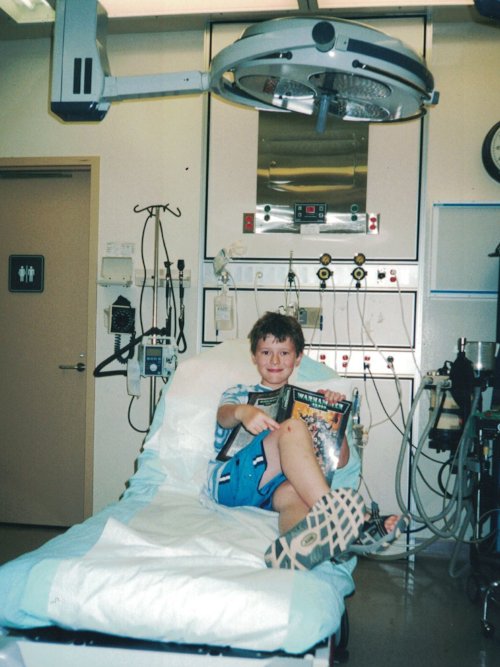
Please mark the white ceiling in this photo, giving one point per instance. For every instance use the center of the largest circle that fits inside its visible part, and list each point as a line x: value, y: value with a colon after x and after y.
x: 34, y: 18
x: 128, y: 8
x: 34, y: 11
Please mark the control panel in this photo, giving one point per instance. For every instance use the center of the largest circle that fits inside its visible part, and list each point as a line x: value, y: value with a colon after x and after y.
x: 157, y: 359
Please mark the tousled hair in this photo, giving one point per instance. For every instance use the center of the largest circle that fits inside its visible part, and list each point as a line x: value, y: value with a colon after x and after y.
x: 280, y: 327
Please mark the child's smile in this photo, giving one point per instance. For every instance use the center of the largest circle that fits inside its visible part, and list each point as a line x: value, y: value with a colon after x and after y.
x: 275, y: 361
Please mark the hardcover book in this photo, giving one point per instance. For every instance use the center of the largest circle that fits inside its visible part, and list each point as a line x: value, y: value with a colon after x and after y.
x: 326, y: 422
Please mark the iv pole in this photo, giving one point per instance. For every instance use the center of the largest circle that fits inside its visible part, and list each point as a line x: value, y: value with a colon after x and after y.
x: 154, y: 211
x: 156, y: 282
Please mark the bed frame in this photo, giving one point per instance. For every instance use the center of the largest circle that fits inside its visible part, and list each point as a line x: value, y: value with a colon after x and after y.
x: 45, y: 647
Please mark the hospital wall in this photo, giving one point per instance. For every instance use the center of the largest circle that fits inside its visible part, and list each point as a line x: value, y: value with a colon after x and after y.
x: 154, y: 151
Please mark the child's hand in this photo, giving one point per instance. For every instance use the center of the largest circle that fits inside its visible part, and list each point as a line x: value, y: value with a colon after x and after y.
x: 255, y: 420
x: 332, y: 396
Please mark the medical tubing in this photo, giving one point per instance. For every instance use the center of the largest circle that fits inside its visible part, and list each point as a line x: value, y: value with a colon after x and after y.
x: 458, y: 498
x: 235, y: 290
x: 399, y: 391
x: 412, y: 551
x: 316, y: 326
x: 365, y: 328
x: 334, y: 326
x: 402, y: 452
x: 256, y: 279
x: 459, y: 541
x: 349, y: 342
x: 424, y: 517
x: 389, y: 416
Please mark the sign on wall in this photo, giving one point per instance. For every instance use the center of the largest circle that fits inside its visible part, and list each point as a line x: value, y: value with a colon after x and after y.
x: 26, y: 273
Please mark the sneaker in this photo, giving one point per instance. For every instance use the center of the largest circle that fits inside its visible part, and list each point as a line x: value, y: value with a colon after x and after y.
x: 332, y: 524
x: 374, y: 537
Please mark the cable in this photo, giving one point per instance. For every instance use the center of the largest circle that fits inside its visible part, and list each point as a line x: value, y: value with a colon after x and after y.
x: 144, y: 268
x: 129, y: 418
x: 349, y: 340
x: 317, y: 326
x: 169, y: 289
x: 256, y: 279
x: 405, y: 327
x: 334, y: 323
x: 98, y: 371
x: 291, y: 283
x: 365, y: 328
x: 235, y: 289
x: 181, y: 339
x: 389, y: 416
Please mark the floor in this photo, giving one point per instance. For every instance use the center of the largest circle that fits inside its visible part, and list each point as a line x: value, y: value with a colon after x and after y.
x: 18, y: 539
x: 404, y: 614
x: 416, y: 615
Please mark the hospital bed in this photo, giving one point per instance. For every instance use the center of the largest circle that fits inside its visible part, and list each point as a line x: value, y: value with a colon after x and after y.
x: 165, y: 576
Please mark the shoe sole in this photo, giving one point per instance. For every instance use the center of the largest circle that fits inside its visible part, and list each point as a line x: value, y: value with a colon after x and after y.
x: 329, y: 528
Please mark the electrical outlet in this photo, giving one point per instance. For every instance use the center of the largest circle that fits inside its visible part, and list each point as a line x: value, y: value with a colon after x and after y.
x: 310, y: 318
x: 139, y: 277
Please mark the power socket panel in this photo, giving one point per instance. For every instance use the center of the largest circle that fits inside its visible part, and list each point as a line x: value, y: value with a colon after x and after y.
x: 310, y: 317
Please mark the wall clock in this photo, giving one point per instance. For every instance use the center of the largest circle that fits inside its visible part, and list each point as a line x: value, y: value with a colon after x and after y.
x: 491, y: 152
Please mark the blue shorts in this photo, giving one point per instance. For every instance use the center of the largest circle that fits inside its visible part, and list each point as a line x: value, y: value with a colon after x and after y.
x: 240, y: 478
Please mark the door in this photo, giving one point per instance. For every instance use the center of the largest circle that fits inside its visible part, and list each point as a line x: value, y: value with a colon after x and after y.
x: 47, y: 306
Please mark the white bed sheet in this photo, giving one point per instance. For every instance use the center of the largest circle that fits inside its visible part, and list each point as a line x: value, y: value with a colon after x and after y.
x: 167, y: 563
x: 202, y: 581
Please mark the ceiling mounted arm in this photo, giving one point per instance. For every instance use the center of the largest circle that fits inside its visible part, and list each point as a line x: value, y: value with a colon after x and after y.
x: 311, y: 66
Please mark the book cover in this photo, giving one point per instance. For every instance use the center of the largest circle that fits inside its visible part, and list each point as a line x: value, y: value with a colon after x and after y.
x: 326, y: 422
x: 269, y: 402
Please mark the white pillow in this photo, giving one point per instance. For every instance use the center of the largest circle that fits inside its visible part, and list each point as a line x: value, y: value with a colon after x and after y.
x: 183, y: 427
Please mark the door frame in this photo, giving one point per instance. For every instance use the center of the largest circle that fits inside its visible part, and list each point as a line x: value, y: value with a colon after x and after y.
x: 92, y: 164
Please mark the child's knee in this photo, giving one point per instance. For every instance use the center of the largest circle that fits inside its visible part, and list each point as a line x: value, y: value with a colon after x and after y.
x: 293, y: 436
x: 295, y: 428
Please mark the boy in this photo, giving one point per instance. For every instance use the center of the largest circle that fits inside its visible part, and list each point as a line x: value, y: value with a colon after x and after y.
x: 278, y: 469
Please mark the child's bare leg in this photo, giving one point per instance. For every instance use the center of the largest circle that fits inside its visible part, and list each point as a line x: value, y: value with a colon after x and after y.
x: 290, y: 450
x: 290, y: 507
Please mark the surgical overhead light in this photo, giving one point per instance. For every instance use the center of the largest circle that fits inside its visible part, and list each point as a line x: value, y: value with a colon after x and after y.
x: 306, y: 65
x: 323, y: 66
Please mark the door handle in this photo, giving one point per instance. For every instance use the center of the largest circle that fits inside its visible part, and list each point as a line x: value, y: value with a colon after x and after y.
x: 80, y: 367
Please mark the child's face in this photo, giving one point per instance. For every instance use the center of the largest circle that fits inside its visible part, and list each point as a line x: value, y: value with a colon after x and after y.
x: 275, y: 361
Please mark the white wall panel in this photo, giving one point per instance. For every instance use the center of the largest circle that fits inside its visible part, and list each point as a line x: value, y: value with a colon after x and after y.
x: 350, y: 318
x: 393, y: 176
